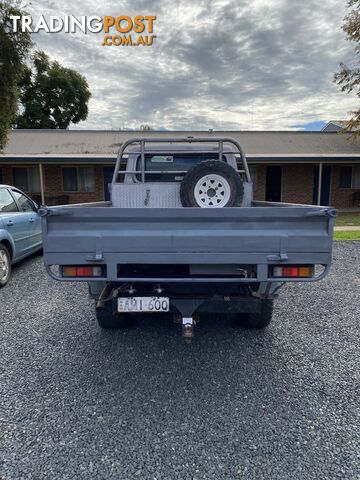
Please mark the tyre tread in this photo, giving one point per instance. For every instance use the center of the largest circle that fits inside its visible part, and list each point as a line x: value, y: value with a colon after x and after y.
x: 109, y: 320
x: 211, y: 166
x: 262, y: 319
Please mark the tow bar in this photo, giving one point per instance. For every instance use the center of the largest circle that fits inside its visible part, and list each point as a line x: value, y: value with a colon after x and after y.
x: 187, y: 316
x: 187, y: 328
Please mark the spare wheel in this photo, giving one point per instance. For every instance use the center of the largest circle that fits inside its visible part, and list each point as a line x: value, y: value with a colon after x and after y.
x: 212, y: 184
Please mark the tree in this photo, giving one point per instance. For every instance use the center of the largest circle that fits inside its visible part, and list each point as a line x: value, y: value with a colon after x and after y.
x: 349, y: 77
x: 14, y: 50
x: 51, y: 96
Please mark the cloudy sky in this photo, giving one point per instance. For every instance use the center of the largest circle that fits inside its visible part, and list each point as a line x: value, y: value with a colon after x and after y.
x: 221, y: 64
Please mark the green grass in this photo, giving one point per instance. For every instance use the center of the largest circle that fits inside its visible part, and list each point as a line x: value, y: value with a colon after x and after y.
x: 347, y: 235
x: 346, y: 219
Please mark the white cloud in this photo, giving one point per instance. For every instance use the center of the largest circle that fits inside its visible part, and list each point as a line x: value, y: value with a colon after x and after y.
x: 230, y: 64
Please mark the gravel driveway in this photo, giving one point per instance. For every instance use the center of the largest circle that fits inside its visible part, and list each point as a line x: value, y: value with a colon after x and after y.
x: 77, y: 402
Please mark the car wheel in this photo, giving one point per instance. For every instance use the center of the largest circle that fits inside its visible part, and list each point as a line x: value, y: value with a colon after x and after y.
x: 5, y: 265
x: 212, y: 184
x: 258, y: 320
x: 107, y: 319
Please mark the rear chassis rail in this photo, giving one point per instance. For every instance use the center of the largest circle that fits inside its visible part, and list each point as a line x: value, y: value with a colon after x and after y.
x: 155, y: 280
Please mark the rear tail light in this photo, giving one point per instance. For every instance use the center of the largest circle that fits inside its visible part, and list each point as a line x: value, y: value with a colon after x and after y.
x: 82, y: 271
x: 292, y: 271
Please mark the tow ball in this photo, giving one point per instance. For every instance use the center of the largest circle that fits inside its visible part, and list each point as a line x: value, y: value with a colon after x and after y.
x: 187, y: 316
x: 187, y: 328
x: 187, y: 324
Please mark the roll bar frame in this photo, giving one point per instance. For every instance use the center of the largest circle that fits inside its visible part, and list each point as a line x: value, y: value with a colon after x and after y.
x: 142, y: 141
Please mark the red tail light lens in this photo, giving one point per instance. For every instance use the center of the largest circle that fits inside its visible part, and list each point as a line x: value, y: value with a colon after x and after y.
x: 82, y: 271
x: 290, y: 272
x: 293, y: 271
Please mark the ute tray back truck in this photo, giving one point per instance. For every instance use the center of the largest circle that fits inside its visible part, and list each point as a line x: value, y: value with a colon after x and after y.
x: 182, y: 234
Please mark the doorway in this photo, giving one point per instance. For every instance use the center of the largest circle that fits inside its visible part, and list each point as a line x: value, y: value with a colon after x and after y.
x: 273, y: 183
x: 107, y: 174
x: 325, y: 185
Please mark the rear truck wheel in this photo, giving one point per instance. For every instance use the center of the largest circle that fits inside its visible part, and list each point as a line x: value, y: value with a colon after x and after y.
x: 108, y: 319
x: 5, y: 265
x: 211, y: 184
x: 261, y: 319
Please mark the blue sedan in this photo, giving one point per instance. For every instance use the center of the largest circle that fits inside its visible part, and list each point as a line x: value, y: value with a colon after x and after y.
x: 20, y: 229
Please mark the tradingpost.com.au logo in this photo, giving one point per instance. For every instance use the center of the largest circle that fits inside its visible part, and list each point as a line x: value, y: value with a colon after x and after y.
x: 120, y: 31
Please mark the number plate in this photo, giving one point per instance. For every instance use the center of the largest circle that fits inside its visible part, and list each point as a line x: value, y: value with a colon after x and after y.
x: 143, y: 304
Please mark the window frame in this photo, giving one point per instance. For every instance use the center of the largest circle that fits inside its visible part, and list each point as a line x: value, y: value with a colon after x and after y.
x: 11, y: 190
x: 14, y: 200
x: 253, y: 169
x: 27, y: 167
x: 339, y: 185
x: 137, y: 176
x: 77, y: 179
x: 351, y: 187
x: 352, y: 177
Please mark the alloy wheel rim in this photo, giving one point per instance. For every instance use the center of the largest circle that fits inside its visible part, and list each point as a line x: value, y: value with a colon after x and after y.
x: 4, y: 265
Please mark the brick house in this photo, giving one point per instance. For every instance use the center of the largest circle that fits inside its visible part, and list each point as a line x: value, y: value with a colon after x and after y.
x: 74, y: 166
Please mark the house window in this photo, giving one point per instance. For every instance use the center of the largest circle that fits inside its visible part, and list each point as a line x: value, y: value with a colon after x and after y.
x: 78, y: 179
x: 27, y: 179
x: 253, y: 175
x: 349, y: 177
x: 355, y: 180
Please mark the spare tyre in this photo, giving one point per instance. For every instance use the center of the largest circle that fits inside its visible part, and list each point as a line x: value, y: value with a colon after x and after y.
x: 211, y: 184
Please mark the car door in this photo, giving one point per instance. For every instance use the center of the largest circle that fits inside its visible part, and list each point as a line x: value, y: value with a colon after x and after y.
x: 13, y: 223
x: 31, y: 217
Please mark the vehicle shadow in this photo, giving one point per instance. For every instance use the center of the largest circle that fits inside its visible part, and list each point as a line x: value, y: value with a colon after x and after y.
x: 27, y: 260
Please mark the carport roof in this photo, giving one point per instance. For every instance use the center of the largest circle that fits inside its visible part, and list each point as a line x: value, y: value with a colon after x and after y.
x: 104, y: 144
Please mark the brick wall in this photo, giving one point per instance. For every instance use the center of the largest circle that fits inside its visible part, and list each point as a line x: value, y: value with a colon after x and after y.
x: 53, y: 184
x: 6, y: 175
x: 297, y: 183
x: 260, y: 182
x: 54, y: 187
x: 340, y: 197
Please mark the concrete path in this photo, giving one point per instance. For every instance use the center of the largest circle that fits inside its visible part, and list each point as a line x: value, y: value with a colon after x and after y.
x: 350, y: 228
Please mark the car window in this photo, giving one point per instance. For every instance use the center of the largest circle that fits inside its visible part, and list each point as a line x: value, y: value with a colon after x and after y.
x: 7, y: 203
x: 172, y: 162
x: 25, y: 203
